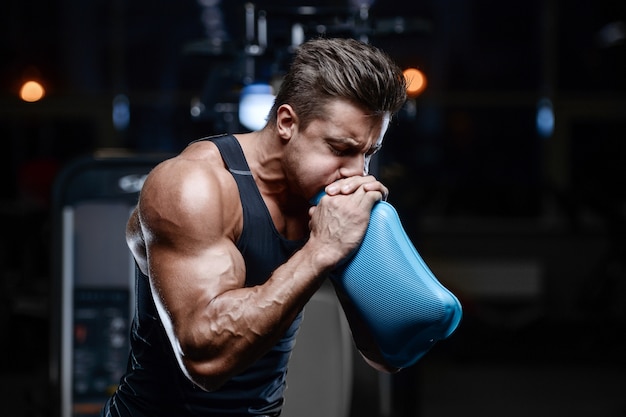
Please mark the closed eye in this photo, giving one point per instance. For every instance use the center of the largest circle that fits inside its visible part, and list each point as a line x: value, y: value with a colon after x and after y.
x: 338, y: 152
x: 343, y: 149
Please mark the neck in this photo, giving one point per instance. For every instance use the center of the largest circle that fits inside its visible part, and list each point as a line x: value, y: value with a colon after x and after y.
x: 264, y: 152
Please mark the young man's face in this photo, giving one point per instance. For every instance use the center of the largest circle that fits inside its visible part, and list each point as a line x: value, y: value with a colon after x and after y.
x: 338, y: 146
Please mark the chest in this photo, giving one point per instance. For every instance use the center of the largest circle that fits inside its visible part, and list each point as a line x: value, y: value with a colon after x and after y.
x: 292, y: 224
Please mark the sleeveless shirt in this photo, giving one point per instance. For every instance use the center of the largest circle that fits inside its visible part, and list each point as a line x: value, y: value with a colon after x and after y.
x: 154, y: 385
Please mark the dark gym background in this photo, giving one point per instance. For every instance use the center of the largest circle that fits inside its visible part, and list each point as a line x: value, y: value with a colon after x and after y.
x: 524, y: 221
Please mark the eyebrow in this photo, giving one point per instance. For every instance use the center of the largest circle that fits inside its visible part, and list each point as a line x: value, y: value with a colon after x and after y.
x: 342, y: 139
x: 345, y: 141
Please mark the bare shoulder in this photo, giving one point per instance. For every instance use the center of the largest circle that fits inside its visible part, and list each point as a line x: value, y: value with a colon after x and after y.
x: 189, y: 193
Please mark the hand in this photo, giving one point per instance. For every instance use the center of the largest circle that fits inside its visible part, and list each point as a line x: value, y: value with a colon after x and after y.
x: 339, y: 221
x: 350, y: 185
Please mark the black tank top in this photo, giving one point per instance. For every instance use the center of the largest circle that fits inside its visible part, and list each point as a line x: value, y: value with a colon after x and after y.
x: 154, y: 384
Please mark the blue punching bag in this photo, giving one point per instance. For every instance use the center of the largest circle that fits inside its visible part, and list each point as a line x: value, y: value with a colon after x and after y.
x: 404, y: 305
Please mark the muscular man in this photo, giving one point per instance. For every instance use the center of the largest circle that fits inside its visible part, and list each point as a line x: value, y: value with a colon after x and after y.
x: 229, y: 250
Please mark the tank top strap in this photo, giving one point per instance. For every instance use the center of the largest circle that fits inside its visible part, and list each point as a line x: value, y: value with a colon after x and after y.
x: 232, y: 154
x: 264, y: 235
x: 253, y: 205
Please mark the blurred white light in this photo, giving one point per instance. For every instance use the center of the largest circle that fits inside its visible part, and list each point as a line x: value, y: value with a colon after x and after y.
x: 362, y: 3
x: 197, y: 108
x: 255, y: 103
x: 545, y: 118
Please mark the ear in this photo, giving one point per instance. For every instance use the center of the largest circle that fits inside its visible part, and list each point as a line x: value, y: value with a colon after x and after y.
x: 286, y: 121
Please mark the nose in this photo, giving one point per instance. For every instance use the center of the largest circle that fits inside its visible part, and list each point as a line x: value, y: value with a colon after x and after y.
x: 354, y: 165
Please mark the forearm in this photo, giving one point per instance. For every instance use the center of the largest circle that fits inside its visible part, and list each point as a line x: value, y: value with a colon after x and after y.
x: 240, y: 325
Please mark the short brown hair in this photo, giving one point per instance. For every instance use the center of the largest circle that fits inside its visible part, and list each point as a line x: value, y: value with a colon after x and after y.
x: 324, y: 69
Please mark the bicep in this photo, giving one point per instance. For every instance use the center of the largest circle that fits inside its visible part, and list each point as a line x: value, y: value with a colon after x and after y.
x: 187, y: 279
x: 189, y: 225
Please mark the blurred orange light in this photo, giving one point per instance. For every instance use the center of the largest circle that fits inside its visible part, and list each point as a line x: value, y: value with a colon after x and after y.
x: 415, y: 82
x: 32, y: 91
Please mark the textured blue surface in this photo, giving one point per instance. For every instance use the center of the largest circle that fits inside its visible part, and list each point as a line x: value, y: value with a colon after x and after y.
x: 406, y: 307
